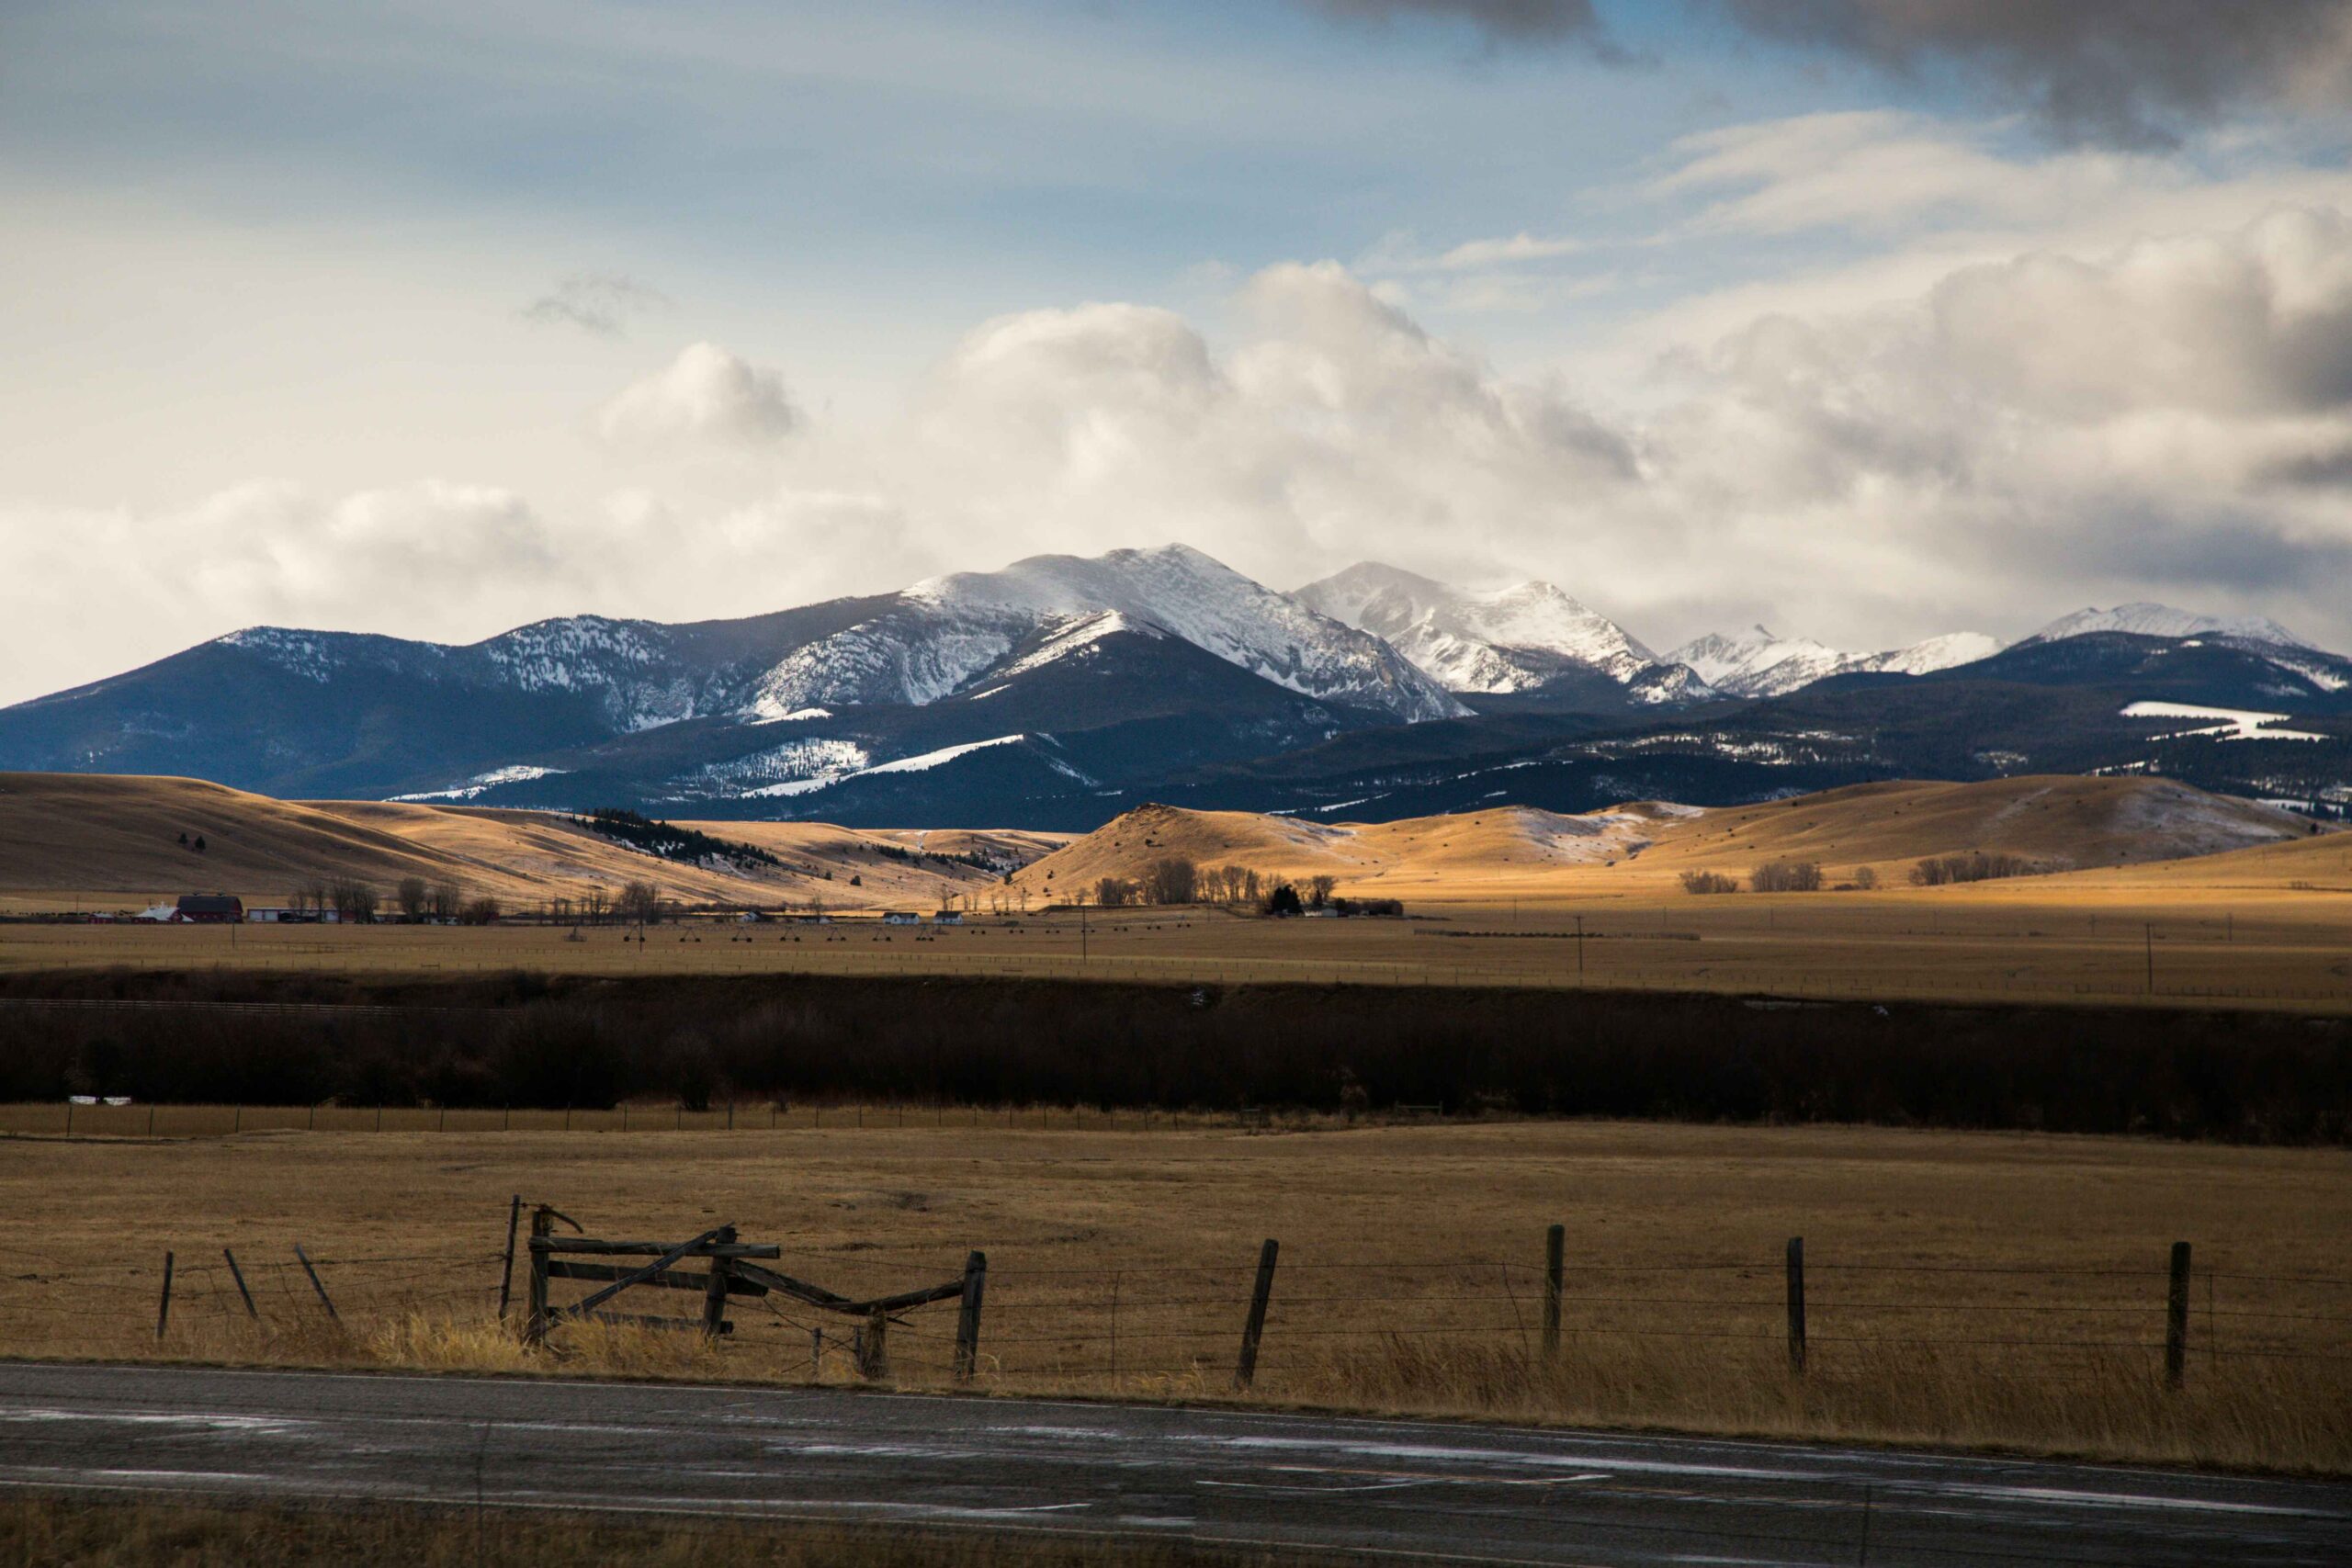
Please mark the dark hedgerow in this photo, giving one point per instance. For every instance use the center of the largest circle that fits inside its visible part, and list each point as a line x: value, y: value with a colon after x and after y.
x: 535, y: 1040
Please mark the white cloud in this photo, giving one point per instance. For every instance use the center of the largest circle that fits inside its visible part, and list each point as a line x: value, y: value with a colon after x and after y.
x: 1877, y: 171
x: 705, y: 394
x: 1977, y: 440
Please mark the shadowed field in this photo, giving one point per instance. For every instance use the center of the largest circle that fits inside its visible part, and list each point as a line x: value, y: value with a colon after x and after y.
x: 1963, y: 1289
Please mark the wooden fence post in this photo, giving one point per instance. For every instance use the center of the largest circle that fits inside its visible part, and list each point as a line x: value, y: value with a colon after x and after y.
x: 1556, y: 1246
x: 164, y: 1307
x: 873, y: 1347
x: 713, y: 1294
x: 1245, y: 1370
x: 967, y: 1317
x: 535, y: 1326
x: 2176, y: 1318
x: 1796, y: 1306
x: 316, y: 1283
x: 239, y: 1275
x: 506, y: 1280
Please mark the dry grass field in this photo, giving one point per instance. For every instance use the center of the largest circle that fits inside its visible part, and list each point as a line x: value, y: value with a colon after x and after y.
x: 1509, y: 896
x: 104, y: 843
x: 1963, y: 1289
x: 2088, y: 936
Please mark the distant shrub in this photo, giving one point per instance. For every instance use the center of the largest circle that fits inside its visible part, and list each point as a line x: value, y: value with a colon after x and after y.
x: 1709, y: 882
x: 1977, y: 866
x: 1786, y: 876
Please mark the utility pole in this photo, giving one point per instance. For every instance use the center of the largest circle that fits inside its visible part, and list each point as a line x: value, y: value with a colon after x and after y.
x: 2150, y: 931
x: 1081, y: 933
x: 1580, y: 949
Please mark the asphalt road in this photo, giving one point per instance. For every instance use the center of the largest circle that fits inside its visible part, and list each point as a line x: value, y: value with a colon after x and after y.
x: 1422, y: 1490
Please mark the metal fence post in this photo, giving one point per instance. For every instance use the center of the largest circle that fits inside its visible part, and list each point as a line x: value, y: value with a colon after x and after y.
x: 1796, y: 1305
x: 239, y: 1275
x: 2176, y: 1318
x: 1555, y: 1243
x: 316, y: 1283
x: 1245, y: 1370
x: 164, y: 1307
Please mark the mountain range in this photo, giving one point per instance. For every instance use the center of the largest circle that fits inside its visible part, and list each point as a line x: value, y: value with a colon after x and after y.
x: 1062, y: 690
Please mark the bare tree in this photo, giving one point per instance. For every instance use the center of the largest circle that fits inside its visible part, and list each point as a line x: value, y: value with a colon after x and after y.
x: 598, y: 904
x: 412, y: 896
x: 640, y: 904
x: 1866, y: 877
x: 354, y: 901
x: 1172, y: 879
x: 1319, y: 889
x: 481, y: 911
x: 445, y: 900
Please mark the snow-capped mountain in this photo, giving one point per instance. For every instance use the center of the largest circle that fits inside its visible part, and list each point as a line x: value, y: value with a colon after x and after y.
x: 2144, y: 619
x: 1508, y: 640
x: 1059, y: 690
x: 1756, y: 663
x: 941, y: 635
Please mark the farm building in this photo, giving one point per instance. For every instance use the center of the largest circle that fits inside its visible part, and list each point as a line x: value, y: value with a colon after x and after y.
x: 900, y: 918
x: 209, y: 909
x: 948, y: 918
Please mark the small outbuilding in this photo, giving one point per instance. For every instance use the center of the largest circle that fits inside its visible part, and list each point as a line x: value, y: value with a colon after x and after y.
x: 209, y: 910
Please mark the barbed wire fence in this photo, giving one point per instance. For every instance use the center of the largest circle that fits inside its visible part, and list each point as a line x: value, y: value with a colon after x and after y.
x: 1283, y: 1320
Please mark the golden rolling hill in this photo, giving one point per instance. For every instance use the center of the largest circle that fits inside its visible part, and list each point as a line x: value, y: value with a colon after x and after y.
x: 2059, y: 823
x: 93, y: 837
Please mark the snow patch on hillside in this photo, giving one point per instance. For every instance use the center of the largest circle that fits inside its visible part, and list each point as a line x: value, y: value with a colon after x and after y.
x: 517, y: 772
x: 2234, y: 724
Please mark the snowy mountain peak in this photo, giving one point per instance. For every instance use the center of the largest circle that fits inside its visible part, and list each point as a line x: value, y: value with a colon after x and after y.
x: 1756, y: 663
x: 2145, y: 619
x: 1508, y: 639
x: 947, y: 632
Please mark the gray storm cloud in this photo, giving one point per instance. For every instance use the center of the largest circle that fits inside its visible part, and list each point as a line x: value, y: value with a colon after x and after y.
x: 1535, y: 21
x: 2128, y: 73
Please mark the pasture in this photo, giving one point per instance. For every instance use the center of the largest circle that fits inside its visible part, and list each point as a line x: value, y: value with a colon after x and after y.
x: 2092, y: 937
x: 1968, y: 1289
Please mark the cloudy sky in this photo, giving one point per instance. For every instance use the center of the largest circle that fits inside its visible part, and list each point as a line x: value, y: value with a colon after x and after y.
x: 1871, y: 319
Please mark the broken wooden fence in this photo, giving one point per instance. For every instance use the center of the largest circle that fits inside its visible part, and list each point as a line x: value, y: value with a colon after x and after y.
x: 729, y: 1267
